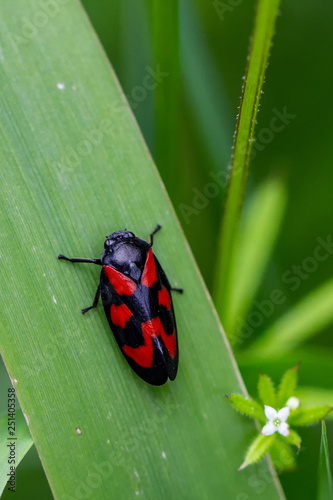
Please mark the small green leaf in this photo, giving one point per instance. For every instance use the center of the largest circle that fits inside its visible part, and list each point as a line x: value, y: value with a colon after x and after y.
x: 325, y: 483
x: 294, y: 438
x: 247, y: 406
x: 266, y: 390
x: 282, y: 455
x: 257, y: 449
x: 287, y: 386
x: 308, y: 416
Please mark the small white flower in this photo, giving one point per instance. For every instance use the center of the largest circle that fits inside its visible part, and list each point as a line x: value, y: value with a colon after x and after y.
x: 276, y: 421
x: 293, y: 403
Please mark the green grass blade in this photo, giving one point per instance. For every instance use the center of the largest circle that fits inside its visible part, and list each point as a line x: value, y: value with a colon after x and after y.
x: 325, y: 482
x: 75, y: 168
x: 204, y: 90
x: 165, y: 29
x: 18, y: 447
x: 300, y: 323
x: 262, y: 221
x: 267, y: 11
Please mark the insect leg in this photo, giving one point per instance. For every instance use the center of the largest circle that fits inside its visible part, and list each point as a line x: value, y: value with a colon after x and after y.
x: 157, y: 228
x: 96, y: 299
x: 179, y: 290
x: 88, y: 261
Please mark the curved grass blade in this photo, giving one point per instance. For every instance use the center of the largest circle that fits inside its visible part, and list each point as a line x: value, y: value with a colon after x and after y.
x: 297, y: 325
x: 325, y: 482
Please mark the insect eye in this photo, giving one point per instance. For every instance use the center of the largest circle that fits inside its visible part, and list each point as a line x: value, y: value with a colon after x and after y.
x: 108, y: 243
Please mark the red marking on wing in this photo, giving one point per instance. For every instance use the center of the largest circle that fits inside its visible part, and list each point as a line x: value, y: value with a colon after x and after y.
x: 164, y: 298
x: 120, y: 315
x: 121, y: 283
x: 170, y: 342
x: 149, y: 274
x: 143, y: 355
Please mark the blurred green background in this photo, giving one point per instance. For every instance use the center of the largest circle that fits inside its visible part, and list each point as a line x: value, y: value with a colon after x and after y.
x: 188, y: 122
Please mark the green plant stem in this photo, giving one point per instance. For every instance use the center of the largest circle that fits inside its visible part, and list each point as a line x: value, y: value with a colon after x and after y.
x: 262, y: 38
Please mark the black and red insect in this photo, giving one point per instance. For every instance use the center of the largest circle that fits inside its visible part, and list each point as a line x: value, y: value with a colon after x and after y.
x: 136, y: 296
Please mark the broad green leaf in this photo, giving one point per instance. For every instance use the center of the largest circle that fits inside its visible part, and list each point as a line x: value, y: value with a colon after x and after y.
x: 247, y: 406
x: 325, y: 482
x: 287, y: 386
x: 267, y: 11
x: 259, y: 230
x: 75, y: 168
x: 282, y: 455
x: 308, y: 416
x: 13, y: 447
x: 304, y: 320
x: 257, y: 449
x: 266, y: 390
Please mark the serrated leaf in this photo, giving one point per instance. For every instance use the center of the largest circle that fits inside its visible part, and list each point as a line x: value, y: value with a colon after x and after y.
x: 247, y: 407
x: 308, y: 416
x: 282, y: 455
x: 267, y: 11
x: 287, y: 386
x: 266, y: 390
x: 325, y: 482
x: 257, y: 449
